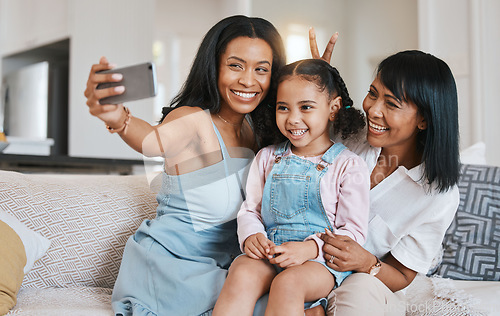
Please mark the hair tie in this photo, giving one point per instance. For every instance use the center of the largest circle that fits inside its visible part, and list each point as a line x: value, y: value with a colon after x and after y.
x: 347, y: 107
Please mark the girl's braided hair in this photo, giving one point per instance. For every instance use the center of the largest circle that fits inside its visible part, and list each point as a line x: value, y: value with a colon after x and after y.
x: 348, y: 120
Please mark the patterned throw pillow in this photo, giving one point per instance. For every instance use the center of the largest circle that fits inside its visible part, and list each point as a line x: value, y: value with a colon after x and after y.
x: 88, y: 219
x: 472, y: 242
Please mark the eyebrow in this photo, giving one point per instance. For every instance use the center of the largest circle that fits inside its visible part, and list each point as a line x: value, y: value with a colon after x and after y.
x: 244, y: 61
x: 394, y: 98
x: 306, y: 101
x: 300, y: 102
x: 388, y: 95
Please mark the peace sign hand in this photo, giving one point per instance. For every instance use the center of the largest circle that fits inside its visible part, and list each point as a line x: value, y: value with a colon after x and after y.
x: 327, y: 55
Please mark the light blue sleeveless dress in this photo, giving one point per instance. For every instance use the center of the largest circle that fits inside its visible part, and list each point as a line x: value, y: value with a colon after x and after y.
x: 177, y: 263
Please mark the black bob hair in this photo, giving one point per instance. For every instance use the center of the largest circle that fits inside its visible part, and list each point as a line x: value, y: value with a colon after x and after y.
x: 427, y: 81
x: 200, y: 88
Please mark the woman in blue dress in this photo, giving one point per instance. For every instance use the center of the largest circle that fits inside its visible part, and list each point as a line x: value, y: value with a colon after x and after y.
x: 176, y: 263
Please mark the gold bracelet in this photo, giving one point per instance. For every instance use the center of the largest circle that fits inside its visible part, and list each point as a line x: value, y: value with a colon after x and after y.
x: 124, y: 126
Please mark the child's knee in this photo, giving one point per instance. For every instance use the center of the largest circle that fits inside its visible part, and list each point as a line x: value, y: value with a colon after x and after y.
x: 240, y: 266
x: 248, y: 268
x: 288, y: 280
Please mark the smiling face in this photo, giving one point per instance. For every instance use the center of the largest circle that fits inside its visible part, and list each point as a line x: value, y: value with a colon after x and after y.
x: 303, y: 115
x: 392, y: 123
x: 244, y: 75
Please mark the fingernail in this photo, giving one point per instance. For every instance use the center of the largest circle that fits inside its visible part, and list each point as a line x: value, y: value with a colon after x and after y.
x: 119, y: 89
x: 117, y: 76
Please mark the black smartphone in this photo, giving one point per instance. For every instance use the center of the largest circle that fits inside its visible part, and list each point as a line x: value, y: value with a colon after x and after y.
x: 139, y: 82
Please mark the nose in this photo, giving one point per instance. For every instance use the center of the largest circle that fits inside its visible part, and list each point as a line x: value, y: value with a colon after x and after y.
x: 294, y: 117
x: 247, y: 78
x: 373, y: 108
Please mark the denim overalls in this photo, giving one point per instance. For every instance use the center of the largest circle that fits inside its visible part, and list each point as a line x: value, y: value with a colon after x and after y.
x: 292, y: 208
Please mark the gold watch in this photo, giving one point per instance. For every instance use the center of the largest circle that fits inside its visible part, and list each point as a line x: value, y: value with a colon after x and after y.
x: 376, y: 267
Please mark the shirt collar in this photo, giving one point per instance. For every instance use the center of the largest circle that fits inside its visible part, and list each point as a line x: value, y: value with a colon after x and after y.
x: 416, y: 173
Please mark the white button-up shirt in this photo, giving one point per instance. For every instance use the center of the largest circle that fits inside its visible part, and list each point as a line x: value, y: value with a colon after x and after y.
x: 407, y: 218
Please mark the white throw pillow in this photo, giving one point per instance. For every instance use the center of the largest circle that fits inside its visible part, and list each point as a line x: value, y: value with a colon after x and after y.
x: 20, y: 248
x: 474, y: 155
x: 35, y: 245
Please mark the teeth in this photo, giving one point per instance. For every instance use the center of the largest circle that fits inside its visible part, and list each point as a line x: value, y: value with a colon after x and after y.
x: 377, y: 127
x: 298, y: 132
x: 245, y: 95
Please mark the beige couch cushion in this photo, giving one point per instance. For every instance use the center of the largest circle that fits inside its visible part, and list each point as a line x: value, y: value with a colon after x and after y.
x: 87, y: 218
x: 72, y: 301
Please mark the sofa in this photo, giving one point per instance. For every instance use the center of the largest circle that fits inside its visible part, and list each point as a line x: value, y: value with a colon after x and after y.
x: 63, y: 236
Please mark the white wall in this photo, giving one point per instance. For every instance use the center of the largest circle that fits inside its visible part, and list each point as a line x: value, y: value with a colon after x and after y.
x: 465, y: 33
x: 368, y: 32
x: 295, y: 17
x: 121, y: 30
x: 179, y: 29
x: 488, y: 80
x: 468, y: 40
x: 376, y: 29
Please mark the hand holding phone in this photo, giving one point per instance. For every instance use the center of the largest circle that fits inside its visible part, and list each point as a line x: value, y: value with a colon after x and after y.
x: 139, y: 82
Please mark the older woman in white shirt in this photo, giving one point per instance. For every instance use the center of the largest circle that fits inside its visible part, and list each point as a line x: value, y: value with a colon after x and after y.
x: 411, y: 149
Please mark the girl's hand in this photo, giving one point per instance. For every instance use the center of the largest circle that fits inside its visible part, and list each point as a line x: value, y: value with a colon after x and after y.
x: 112, y: 114
x: 293, y: 253
x: 348, y: 254
x: 258, y: 246
x: 327, y: 55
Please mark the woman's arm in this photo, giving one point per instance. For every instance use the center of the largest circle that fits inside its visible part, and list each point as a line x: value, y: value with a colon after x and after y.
x: 131, y: 129
x: 349, y: 255
x: 137, y: 133
x: 395, y: 275
x: 249, y: 217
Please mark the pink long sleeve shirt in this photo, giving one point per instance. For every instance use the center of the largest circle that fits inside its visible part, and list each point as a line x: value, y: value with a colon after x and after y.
x: 344, y: 193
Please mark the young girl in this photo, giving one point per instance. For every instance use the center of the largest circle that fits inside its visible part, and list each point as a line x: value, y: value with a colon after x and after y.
x: 295, y: 190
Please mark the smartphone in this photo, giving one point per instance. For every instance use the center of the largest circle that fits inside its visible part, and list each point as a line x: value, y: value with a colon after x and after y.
x: 139, y: 82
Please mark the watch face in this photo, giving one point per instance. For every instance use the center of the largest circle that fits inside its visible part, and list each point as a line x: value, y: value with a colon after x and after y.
x: 375, y: 269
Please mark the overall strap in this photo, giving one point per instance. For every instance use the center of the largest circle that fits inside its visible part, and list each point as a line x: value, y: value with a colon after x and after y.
x: 330, y: 155
x: 281, y: 150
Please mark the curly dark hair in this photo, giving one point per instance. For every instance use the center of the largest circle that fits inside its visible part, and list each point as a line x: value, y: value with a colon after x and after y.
x: 200, y: 88
x: 348, y: 120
